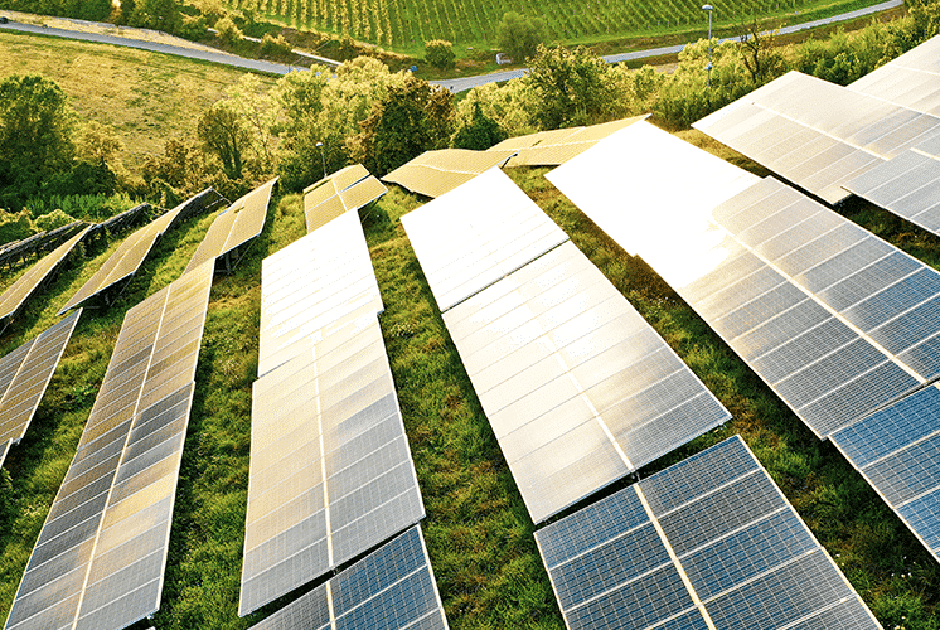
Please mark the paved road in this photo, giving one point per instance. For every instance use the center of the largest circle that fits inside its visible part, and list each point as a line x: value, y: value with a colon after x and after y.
x: 459, y: 85
x: 454, y: 85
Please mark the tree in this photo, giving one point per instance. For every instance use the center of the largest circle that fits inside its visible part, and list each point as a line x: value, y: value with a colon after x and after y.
x: 482, y: 132
x: 35, y: 127
x: 163, y: 15
x: 413, y: 117
x: 440, y: 54
x: 759, y: 52
x: 224, y: 133
x: 520, y: 37
x: 570, y: 88
x: 227, y: 31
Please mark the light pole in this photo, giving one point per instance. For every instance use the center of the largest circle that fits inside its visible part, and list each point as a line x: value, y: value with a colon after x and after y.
x: 322, y: 159
x: 708, y: 68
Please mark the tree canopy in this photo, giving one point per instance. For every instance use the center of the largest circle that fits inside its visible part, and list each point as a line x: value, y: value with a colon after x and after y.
x: 519, y: 37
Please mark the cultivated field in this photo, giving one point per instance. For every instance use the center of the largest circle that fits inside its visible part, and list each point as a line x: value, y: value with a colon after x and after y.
x: 405, y: 25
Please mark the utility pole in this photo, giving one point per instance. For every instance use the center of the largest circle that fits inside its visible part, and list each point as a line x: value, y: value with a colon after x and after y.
x: 708, y: 68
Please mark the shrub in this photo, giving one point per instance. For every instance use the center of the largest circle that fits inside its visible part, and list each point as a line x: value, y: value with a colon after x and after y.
x: 227, y: 31
x: 440, y: 54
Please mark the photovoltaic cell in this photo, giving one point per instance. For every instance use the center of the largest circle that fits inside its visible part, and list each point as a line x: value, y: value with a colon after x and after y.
x: 551, y: 148
x: 831, y: 321
x: 476, y: 234
x: 391, y: 588
x: 24, y: 375
x: 434, y: 173
x: 710, y: 540
x: 101, y: 553
x: 346, y: 190
x: 909, y: 80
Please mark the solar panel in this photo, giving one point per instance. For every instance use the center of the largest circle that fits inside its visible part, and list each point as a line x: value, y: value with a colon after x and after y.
x: 551, y: 148
x: 435, y: 173
x: 783, y: 126
x: 125, y: 260
x: 897, y: 450
x: 331, y: 473
x: 96, y: 563
x: 311, y: 285
x: 710, y: 542
x: 579, y: 389
x: 344, y: 191
x: 815, y: 305
x: 25, y: 376
x: 476, y: 234
x: 242, y: 222
x: 909, y: 80
x: 391, y: 588
x: 13, y: 298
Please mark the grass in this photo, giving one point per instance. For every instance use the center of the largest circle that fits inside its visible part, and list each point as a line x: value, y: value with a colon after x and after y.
x: 145, y: 98
x: 405, y: 25
x: 478, y: 531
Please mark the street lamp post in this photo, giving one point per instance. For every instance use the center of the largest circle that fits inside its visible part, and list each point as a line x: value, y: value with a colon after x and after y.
x: 708, y: 68
x: 322, y: 159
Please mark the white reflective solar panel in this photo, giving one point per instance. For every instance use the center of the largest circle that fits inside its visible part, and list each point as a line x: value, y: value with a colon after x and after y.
x: 797, y: 291
x: 390, y: 589
x: 708, y: 543
x: 897, y: 449
x: 344, y: 191
x: 551, y: 148
x: 101, y: 553
x: 911, y: 80
x: 817, y: 134
x: 579, y: 389
x: 331, y: 473
x: 314, y: 284
x: 477, y: 233
x: 24, y: 375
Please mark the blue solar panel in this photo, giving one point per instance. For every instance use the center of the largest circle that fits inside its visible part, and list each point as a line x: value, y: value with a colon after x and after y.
x: 894, y: 300
x: 923, y: 516
x: 909, y: 473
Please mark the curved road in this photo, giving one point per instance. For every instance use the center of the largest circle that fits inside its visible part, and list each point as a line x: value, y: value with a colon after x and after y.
x: 454, y: 85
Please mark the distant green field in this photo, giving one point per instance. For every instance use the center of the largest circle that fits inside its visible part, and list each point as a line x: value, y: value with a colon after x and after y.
x: 404, y: 25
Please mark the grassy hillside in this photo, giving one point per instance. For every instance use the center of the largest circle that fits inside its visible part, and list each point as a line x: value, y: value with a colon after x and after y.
x: 478, y: 531
x: 146, y: 98
x: 405, y: 25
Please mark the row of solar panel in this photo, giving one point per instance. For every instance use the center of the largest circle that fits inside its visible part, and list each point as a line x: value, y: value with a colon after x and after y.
x: 331, y: 474
x: 839, y: 323
x: 100, y: 556
x: 347, y: 190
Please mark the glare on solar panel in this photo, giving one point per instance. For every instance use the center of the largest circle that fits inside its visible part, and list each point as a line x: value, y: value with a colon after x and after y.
x: 435, y: 173
x: 476, y: 234
x: 909, y: 80
x: 709, y: 542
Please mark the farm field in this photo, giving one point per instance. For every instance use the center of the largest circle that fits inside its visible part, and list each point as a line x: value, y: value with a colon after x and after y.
x: 405, y: 25
x: 145, y: 98
x: 478, y: 532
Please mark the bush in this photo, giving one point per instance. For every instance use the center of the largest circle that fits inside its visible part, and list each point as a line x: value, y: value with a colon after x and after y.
x: 275, y: 48
x: 440, y: 54
x: 56, y: 218
x: 520, y: 37
x: 227, y: 31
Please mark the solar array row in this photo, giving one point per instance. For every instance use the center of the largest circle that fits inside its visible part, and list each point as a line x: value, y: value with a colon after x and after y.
x: 708, y: 543
x: 24, y: 376
x: 14, y: 297
x: 241, y: 222
x: 100, y: 557
x: 346, y: 190
x: 579, y: 389
x: 310, y: 285
x: 909, y: 80
x: 434, y: 173
x: 331, y: 473
x: 481, y: 232
x: 551, y: 148
x: 783, y: 126
x: 824, y: 312
x: 392, y: 588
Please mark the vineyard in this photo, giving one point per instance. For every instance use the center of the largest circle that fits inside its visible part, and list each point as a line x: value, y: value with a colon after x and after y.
x: 404, y: 25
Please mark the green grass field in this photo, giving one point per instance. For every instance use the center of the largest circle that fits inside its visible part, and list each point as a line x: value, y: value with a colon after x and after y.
x: 478, y: 532
x: 405, y: 25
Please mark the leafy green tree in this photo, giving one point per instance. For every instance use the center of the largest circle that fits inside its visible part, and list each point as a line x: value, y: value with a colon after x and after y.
x: 482, y: 132
x: 519, y: 37
x: 163, y: 15
x: 570, y: 88
x: 440, y: 54
x: 413, y: 118
x: 224, y: 133
x: 227, y: 31
x: 35, y: 133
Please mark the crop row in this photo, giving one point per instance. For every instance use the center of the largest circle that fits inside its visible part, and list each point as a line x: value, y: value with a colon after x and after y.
x: 406, y: 24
